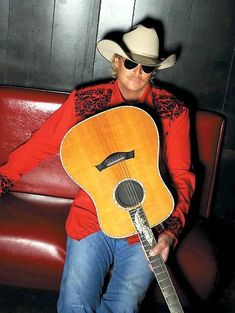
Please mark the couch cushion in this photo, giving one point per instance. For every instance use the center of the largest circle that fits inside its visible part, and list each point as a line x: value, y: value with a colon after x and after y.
x: 32, y: 240
x: 193, y: 268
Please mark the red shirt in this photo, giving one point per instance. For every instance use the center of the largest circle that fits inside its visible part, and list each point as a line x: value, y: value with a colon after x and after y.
x: 174, y: 118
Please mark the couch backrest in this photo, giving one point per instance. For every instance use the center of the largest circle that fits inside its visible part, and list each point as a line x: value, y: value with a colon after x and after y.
x: 209, y: 130
x: 24, y: 110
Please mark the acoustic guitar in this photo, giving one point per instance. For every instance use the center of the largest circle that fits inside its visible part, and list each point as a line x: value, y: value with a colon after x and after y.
x: 114, y: 157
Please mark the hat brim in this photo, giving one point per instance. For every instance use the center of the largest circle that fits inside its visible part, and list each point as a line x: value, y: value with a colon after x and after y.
x: 108, y: 48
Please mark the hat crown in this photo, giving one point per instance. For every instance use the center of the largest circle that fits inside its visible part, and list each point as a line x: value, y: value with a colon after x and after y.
x: 140, y: 45
x: 143, y: 41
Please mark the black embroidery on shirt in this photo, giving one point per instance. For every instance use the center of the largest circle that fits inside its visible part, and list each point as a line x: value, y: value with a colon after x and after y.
x: 167, y: 106
x: 173, y: 224
x: 5, y: 184
x: 91, y: 101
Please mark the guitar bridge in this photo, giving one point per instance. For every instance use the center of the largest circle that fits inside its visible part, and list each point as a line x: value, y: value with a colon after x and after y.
x: 115, y: 158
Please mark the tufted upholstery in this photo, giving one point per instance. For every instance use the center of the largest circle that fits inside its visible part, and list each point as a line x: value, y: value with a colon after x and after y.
x: 32, y: 216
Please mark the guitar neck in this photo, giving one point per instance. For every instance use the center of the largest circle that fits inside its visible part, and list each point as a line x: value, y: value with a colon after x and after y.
x: 158, y: 265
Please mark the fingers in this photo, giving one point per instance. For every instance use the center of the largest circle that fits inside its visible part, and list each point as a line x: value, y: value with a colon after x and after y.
x: 163, y: 247
x: 155, y: 250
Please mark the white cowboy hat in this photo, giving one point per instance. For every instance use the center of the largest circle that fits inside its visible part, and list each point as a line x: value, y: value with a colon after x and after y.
x: 140, y: 45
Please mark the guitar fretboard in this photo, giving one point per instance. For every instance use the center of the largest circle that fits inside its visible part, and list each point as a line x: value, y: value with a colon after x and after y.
x: 158, y: 265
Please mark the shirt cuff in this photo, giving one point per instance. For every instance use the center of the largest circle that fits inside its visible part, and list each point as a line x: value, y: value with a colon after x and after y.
x: 172, y: 226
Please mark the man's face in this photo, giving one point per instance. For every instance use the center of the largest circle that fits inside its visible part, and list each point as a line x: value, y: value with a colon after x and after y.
x: 133, y: 80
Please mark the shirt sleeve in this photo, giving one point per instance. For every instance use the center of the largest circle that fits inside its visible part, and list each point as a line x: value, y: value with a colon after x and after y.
x: 178, y: 162
x: 43, y: 143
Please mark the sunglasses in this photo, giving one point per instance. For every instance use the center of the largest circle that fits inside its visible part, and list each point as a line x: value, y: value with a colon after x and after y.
x: 129, y: 65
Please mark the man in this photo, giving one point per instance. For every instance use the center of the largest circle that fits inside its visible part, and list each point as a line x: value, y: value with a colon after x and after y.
x: 91, y: 253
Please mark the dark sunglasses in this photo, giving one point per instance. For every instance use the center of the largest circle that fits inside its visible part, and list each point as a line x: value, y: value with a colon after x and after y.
x: 129, y: 65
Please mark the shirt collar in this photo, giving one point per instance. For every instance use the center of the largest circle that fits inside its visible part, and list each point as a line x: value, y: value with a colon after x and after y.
x: 118, y: 98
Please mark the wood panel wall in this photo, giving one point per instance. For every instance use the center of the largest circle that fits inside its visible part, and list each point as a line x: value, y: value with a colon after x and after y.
x: 52, y: 45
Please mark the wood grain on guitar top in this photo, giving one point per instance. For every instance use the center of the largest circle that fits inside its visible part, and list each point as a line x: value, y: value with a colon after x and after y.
x: 114, y: 157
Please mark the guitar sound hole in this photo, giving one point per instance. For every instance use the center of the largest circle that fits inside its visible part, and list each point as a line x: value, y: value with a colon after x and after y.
x: 129, y: 193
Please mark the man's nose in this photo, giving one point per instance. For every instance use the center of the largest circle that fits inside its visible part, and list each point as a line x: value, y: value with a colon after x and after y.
x: 138, y: 69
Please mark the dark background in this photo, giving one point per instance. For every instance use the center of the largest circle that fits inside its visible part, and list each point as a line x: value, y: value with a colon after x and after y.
x: 51, y: 44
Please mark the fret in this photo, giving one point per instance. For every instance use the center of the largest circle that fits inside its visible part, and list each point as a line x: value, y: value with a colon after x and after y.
x: 161, y: 268
x: 168, y: 290
x: 171, y: 299
x: 158, y: 267
x: 175, y: 307
x: 143, y: 237
x: 146, y: 246
x: 156, y: 259
x: 165, y: 283
x: 162, y: 276
x: 155, y: 265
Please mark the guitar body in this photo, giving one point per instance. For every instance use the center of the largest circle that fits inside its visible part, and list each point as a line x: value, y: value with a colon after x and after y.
x: 113, y: 156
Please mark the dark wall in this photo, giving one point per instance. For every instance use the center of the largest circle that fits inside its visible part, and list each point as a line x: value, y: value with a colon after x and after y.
x: 52, y: 45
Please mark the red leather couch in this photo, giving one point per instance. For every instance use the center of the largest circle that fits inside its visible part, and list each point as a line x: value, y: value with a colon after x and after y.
x: 32, y: 216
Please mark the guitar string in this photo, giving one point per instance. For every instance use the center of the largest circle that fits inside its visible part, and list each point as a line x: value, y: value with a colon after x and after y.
x: 132, y: 194
x: 103, y: 128
x: 103, y: 132
x: 123, y: 169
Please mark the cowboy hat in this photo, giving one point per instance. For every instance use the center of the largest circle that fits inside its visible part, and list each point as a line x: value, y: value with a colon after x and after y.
x: 140, y: 45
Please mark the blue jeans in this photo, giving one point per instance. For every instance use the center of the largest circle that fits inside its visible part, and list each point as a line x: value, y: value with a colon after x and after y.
x: 87, y: 263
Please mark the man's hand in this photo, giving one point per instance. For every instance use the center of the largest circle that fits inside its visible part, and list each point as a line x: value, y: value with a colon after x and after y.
x: 164, y: 244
